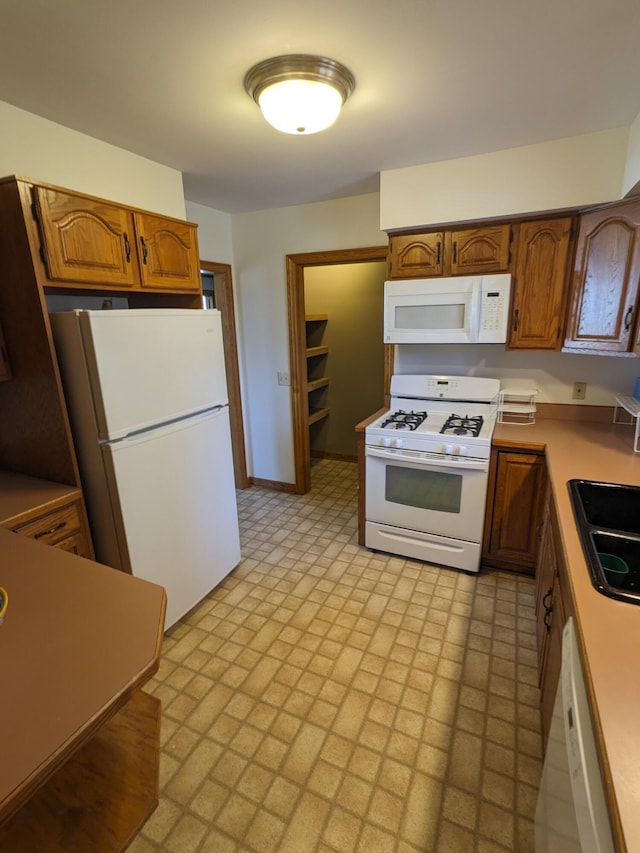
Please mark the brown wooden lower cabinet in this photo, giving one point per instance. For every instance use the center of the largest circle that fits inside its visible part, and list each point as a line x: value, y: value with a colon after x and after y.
x: 515, y: 505
x: 62, y: 528
x: 47, y: 512
x: 553, y: 608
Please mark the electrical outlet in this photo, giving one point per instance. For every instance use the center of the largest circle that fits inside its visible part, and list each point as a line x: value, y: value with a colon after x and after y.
x: 579, y: 391
x: 283, y: 379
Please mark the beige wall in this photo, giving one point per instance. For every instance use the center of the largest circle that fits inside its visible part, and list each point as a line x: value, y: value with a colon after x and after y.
x: 261, y: 242
x: 351, y: 294
x: 552, y: 373
x: 214, y: 232
x: 632, y: 166
x: 33, y: 147
x: 572, y: 172
x: 257, y: 244
x: 566, y: 173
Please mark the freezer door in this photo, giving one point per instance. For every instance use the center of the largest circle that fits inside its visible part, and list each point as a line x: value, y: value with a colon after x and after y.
x: 175, y: 506
x: 150, y: 366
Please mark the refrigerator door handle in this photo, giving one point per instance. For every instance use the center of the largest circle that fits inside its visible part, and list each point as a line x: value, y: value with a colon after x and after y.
x: 174, y: 423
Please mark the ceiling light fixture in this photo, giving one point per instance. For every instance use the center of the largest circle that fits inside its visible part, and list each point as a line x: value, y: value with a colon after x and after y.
x: 298, y: 93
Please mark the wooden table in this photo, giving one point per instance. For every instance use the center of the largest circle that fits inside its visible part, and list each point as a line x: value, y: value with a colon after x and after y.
x: 79, y: 739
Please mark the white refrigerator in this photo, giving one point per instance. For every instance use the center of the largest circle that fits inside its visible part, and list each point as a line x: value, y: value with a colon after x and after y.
x: 147, y: 399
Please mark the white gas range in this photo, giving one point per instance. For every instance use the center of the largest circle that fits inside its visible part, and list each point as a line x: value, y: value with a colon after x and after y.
x: 427, y: 464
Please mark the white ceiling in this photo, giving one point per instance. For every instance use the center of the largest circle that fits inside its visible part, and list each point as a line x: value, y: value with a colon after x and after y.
x: 435, y: 79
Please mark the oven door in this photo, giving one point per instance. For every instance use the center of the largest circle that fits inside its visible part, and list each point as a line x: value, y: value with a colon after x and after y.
x: 438, y: 495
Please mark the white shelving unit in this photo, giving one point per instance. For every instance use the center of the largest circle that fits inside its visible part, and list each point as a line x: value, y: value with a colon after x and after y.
x: 517, y: 405
x: 631, y: 406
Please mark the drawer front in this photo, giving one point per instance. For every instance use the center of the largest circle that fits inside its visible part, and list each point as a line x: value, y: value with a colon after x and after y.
x: 75, y: 544
x: 54, y: 526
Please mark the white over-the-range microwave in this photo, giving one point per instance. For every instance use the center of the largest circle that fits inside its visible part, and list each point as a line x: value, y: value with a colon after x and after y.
x: 456, y: 310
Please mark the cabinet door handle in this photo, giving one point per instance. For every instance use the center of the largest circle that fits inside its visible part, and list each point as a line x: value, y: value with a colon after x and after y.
x: 127, y: 248
x: 547, y: 624
x: 539, y: 529
x: 455, y: 251
x: 544, y: 600
x: 59, y: 526
x: 438, y: 253
x: 145, y: 250
x: 627, y: 318
x: 516, y: 319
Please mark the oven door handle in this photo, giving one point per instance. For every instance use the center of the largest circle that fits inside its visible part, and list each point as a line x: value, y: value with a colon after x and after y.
x: 435, y: 461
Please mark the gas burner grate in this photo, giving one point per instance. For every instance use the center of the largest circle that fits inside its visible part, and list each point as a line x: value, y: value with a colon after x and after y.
x: 404, y: 420
x: 462, y: 425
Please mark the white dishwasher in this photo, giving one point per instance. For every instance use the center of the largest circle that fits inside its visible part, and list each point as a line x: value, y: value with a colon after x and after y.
x: 571, y: 813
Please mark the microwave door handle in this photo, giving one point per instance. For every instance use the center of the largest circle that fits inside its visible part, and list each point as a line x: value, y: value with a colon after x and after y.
x: 476, y: 312
x: 435, y: 461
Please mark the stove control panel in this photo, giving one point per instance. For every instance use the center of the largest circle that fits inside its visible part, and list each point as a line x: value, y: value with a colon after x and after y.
x: 455, y: 449
x: 431, y: 450
x: 435, y: 387
x: 392, y: 442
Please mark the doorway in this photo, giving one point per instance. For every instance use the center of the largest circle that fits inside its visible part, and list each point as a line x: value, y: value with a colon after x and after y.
x: 217, y: 289
x: 298, y: 343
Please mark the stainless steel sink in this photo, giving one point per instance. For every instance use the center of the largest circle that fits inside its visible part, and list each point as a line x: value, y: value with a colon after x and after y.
x: 608, y: 520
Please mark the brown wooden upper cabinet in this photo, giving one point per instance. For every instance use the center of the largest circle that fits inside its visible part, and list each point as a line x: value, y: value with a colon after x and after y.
x: 443, y: 253
x: 604, y: 296
x: 540, y: 284
x: 89, y: 242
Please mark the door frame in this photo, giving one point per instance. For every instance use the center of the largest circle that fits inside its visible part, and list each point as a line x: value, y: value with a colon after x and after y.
x: 295, y: 266
x: 223, y: 285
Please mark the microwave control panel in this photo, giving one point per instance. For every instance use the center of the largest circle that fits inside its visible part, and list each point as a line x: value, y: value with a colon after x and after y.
x: 494, y: 308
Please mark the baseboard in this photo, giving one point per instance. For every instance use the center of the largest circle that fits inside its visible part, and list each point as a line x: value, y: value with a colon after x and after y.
x: 338, y: 457
x: 276, y: 485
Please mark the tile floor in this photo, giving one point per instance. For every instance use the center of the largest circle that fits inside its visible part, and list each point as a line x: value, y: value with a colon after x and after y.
x: 327, y: 698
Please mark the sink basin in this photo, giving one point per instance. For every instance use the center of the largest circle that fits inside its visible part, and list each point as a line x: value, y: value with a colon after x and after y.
x: 610, y: 505
x: 608, y: 520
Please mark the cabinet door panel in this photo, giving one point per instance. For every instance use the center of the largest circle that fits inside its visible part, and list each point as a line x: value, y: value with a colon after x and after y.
x: 545, y: 573
x: 479, y: 250
x: 86, y: 240
x: 416, y: 255
x: 539, y: 291
x: 168, y: 253
x: 517, y: 511
x: 605, y: 283
x: 553, y: 659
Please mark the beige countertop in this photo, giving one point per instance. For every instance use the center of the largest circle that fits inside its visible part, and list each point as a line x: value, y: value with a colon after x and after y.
x: 609, y: 629
x: 20, y: 495
x: 78, y: 639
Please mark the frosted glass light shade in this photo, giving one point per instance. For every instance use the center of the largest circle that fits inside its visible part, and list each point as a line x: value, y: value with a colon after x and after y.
x: 299, y: 94
x: 300, y: 106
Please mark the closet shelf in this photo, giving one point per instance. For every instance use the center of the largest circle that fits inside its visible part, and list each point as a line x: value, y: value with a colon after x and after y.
x: 315, y: 330
x: 314, y: 351
x: 316, y: 415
